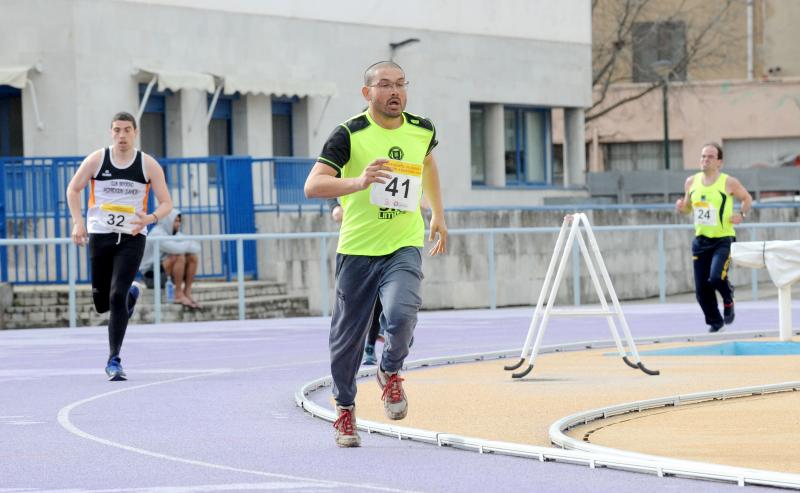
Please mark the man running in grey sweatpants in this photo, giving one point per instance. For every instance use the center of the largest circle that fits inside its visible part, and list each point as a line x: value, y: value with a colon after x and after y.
x: 379, y: 162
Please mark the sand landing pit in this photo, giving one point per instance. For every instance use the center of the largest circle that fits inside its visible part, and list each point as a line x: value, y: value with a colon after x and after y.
x: 482, y: 400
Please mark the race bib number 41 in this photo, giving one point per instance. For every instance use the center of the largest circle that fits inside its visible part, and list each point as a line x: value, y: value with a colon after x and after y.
x: 401, y: 190
x: 118, y: 217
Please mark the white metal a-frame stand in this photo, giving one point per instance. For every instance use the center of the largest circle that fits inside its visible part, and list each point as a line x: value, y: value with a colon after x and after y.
x: 573, y: 223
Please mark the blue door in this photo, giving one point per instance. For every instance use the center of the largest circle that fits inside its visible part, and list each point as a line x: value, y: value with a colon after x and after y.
x: 3, y: 251
x: 239, y: 212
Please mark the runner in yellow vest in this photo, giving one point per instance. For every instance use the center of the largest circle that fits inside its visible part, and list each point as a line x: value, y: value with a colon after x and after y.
x: 709, y: 197
x: 379, y: 162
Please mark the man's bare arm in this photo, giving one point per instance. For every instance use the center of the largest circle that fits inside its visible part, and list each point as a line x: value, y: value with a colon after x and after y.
x: 76, y: 186
x: 432, y: 192
x: 323, y: 184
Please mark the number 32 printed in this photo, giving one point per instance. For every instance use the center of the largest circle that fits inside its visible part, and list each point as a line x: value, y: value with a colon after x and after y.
x: 115, y: 220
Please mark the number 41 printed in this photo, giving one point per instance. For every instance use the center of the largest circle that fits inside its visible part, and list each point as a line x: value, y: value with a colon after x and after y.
x: 402, y: 189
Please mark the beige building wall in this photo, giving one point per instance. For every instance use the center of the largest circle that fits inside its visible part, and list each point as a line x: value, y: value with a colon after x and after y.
x: 703, y: 112
x: 774, y: 38
x: 781, y: 37
x: 717, y: 102
x: 721, y: 55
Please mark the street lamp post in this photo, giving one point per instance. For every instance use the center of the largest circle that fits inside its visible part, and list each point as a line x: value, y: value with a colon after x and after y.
x: 663, y: 68
x: 665, y: 98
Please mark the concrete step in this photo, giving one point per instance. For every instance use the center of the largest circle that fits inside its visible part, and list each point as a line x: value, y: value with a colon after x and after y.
x: 258, y: 307
x: 49, y: 295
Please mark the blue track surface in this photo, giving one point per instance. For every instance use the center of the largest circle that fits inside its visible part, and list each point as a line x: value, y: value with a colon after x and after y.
x: 209, y: 407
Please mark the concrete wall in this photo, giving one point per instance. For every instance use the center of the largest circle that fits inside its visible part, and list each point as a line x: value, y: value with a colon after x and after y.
x: 569, y: 24
x: 472, y: 51
x: 780, y: 36
x: 460, y: 278
x: 6, y: 300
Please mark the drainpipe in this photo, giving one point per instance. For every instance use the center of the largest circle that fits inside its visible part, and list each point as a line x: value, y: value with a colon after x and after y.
x: 213, y: 103
x: 145, y: 97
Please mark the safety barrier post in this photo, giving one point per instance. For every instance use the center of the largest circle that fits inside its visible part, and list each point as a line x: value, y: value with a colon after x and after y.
x: 240, y: 275
x: 323, y: 275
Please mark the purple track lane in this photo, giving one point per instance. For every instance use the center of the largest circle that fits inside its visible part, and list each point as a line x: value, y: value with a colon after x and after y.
x: 210, y: 407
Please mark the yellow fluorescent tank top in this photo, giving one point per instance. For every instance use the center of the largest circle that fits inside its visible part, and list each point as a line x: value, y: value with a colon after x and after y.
x: 368, y: 229
x: 712, y: 207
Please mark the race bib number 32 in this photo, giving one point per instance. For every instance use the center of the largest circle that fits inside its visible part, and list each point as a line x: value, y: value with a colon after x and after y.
x: 118, y: 217
x: 401, y: 190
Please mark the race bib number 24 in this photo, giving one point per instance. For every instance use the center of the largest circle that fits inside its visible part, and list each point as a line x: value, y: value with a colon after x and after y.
x: 705, y: 214
x: 401, y: 190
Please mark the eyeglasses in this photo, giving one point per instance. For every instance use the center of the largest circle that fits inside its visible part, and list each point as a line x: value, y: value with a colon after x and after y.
x: 385, y: 85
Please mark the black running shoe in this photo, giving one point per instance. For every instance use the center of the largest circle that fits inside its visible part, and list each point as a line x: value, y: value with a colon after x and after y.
x: 714, y: 328
x: 728, y: 313
x: 369, y: 355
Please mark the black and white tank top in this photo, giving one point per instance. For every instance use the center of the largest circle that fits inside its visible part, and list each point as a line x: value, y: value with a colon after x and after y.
x: 117, y: 193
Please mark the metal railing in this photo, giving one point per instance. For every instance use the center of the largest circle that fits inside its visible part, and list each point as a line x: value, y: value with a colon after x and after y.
x: 279, y: 181
x: 489, y: 235
x: 664, y: 185
x: 215, y: 194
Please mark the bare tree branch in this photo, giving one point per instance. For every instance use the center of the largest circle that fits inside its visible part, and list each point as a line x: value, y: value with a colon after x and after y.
x: 633, y: 97
x: 704, y: 45
x: 604, y: 76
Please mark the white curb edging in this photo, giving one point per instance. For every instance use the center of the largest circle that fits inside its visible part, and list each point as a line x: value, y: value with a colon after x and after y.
x: 582, y: 453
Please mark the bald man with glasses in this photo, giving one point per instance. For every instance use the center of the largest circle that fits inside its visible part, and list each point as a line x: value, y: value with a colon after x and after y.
x: 379, y: 163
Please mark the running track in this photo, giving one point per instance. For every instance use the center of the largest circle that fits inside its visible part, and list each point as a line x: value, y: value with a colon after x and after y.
x: 210, y: 407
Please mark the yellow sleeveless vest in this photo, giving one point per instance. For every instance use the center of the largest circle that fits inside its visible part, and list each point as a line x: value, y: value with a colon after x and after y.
x: 712, y: 207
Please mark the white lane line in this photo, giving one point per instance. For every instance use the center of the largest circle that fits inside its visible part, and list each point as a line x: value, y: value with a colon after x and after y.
x: 66, y: 423
x: 272, y: 486
x: 19, y: 421
x: 60, y: 372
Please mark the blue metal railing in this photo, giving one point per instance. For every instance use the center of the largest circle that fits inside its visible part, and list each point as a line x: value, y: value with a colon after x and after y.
x: 215, y: 194
x: 489, y: 235
x: 278, y: 184
x: 35, y: 206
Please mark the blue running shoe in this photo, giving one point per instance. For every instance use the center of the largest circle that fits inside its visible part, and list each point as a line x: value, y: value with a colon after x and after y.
x: 133, y: 296
x: 369, y: 355
x: 114, y: 370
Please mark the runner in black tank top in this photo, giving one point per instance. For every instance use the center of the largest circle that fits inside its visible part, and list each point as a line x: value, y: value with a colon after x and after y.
x: 120, y: 178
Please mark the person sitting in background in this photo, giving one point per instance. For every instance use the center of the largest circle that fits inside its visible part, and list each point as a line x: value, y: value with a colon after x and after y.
x: 179, y: 258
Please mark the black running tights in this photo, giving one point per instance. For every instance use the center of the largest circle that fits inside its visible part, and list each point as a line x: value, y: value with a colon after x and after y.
x: 114, y: 261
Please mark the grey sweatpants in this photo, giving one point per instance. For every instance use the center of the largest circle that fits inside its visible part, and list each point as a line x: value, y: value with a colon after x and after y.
x: 360, y: 281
